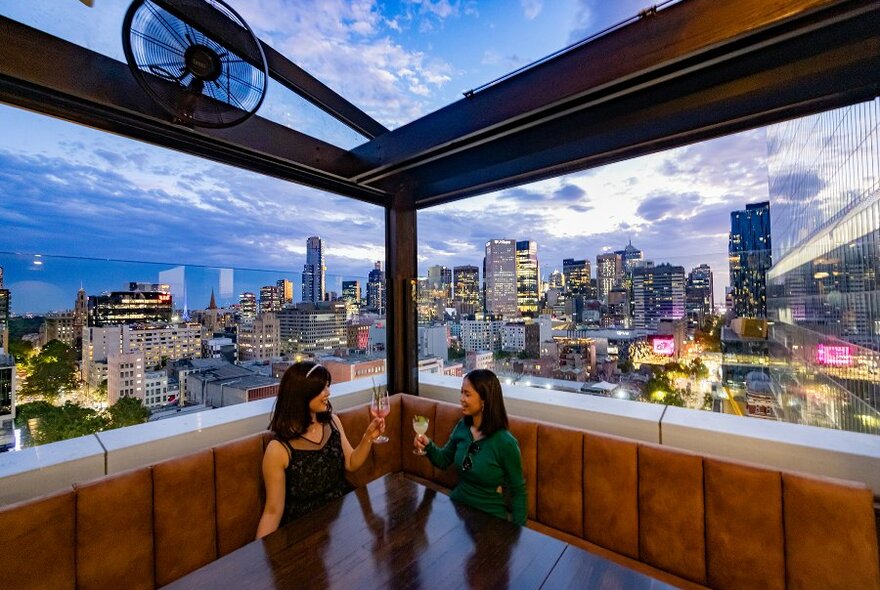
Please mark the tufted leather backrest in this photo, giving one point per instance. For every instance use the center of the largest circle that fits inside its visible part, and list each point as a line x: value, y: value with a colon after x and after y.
x: 238, y: 487
x: 707, y: 520
x: 39, y: 542
x: 184, y: 508
x: 114, y: 531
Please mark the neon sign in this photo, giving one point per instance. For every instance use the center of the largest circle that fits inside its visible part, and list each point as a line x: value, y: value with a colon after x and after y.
x: 834, y: 356
x: 664, y: 346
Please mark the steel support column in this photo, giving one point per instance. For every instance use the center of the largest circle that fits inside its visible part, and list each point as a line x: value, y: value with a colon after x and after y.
x: 401, y: 269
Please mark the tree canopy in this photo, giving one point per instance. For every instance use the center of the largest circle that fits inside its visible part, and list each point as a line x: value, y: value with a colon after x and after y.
x: 127, y: 411
x: 52, y: 371
x: 68, y: 421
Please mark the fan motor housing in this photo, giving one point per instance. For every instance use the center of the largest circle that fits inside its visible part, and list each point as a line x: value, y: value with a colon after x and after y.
x: 203, y: 62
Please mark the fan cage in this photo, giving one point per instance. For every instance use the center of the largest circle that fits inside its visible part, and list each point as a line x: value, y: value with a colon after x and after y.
x: 156, y: 43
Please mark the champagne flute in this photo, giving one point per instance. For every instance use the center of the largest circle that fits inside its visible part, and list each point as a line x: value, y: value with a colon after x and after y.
x: 379, y: 408
x: 420, y: 425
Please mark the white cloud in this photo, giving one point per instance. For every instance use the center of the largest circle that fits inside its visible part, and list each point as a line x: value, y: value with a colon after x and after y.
x: 341, y: 42
x: 531, y: 8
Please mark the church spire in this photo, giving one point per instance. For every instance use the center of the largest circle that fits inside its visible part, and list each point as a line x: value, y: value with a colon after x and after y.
x: 213, y: 304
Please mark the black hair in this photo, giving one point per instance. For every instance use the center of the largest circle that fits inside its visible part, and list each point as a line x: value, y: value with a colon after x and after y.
x: 486, y: 384
x: 300, y: 384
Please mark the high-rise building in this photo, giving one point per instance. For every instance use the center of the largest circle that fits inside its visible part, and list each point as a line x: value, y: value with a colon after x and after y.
x: 616, y: 312
x: 577, y: 277
x: 823, y: 290
x: 528, y: 277
x: 440, y: 280
x: 749, y: 254
x: 629, y: 258
x: 556, y: 280
x: 80, y: 318
x: 7, y: 401
x: 270, y: 299
x: 260, y: 340
x: 285, y: 291
x: 248, y: 303
x: 499, y: 276
x: 609, y: 272
x: 351, y: 293
x: 376, y: 289
x: 313, y: 327
x: 467, y: 286
x: 699, y: 294
x: 134, y: 306
x: 5, y: 305
x: 313, y: 271
x: 659, y: 294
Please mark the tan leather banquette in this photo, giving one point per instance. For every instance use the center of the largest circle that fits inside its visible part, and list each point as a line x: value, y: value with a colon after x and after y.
x: 690, y: 520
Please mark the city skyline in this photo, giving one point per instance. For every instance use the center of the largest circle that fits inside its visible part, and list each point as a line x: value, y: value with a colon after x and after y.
x: 137, y: 202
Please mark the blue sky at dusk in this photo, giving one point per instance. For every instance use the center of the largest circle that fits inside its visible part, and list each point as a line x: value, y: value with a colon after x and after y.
x: 81, y: 197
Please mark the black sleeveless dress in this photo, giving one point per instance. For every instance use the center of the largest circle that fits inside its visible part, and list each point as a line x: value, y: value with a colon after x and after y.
x: 313, y: 478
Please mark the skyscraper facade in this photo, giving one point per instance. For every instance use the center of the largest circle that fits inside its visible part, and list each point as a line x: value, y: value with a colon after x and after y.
x: 527, y: 277
x: 129, y: 307
x: 270, y: 299
x: 609, y: 271
x: 376, y: 289
x: 699, y: 294
x: 248, y: 304
x: 467, y: 285
x: 577, y: 276
x: 313, y: 271
x: 629, y: 258
x: 351, y: 293
x: 824, y: 285
x: 499, y: 275
x: 285, y: 291
x: 5, y: 305
x: 749, y: 254
x: 658, y: 292
x: 440, y: 281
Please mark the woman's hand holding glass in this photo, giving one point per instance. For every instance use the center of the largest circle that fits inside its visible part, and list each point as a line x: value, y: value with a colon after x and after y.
x: 420, y: 442
x: 375, y: 429
x: 420, y: 425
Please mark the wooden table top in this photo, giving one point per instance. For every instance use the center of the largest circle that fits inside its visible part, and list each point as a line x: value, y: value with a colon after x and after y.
x: 396, y: 533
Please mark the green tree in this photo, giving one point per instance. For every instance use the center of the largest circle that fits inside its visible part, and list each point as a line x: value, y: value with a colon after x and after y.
x: 708, y: 336
x: 697, y: 369
x: 456, y: 353
x: 69, y: 421
x: 127, y: 411
x: 659, y: 390
x: 21, y: 350
x: 53, y: 370
x: 37, y: 409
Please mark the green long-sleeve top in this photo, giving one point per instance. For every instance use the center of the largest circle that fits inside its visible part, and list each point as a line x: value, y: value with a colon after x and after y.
x: 496, y: 465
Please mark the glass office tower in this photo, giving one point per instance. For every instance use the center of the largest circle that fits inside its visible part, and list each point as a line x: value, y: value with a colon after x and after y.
x: 824, y: 174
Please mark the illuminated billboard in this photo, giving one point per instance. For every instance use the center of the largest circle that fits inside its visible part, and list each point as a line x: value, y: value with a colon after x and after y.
x: 834, y: 355
x: 663, y: 345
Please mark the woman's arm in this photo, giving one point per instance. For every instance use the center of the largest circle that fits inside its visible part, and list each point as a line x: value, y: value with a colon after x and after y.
x: 443, y: 457
x: 510, y: 459
x: 355, y: 457
x: 274, y: 463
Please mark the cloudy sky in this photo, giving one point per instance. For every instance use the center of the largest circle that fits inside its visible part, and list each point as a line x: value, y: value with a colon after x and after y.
x: 87, y: 201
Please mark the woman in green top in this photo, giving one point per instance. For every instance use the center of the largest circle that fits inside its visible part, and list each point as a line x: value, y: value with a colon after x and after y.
x: 485, y: 453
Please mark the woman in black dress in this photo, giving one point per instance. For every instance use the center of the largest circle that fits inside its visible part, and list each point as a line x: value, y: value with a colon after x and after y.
x: 304, y: 466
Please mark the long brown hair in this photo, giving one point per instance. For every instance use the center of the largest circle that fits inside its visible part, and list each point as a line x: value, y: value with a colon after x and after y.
x: 300, y: 384
x: 487, y: 385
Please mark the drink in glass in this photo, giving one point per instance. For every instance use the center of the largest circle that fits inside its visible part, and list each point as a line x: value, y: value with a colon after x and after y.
x: 379, y: 408
x: 420, y: 425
